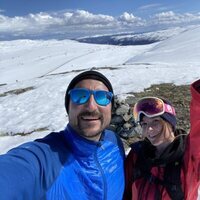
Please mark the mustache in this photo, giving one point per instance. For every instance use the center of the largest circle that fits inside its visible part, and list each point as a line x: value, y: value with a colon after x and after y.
x: 91, y: 114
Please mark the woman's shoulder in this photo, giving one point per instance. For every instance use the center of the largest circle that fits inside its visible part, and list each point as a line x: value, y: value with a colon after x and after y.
x: 137, y: 146
x: 179, y: 132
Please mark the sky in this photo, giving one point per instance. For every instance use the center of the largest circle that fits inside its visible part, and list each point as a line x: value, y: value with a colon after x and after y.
x: 79, y: 18
x: 111, y: 7
x: 45, y: 69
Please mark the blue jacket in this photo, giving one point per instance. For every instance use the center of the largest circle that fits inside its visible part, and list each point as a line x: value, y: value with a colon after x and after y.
x: 64, y: 166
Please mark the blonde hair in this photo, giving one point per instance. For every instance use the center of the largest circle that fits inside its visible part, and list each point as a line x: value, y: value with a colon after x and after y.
x: 167, y: 130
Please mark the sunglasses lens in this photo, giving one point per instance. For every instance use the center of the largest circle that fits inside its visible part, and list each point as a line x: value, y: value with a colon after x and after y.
x: 79, y: 95
x: 149, y: 106
x: 103, y: 98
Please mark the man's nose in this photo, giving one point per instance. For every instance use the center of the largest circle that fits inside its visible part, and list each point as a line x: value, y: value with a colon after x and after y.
x: 91, y: 104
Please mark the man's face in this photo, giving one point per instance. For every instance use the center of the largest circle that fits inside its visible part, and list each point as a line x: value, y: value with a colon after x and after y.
x: 90, y: 119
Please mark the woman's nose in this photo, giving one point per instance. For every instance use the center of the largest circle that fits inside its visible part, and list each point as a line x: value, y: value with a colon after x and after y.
x: 150, y: 127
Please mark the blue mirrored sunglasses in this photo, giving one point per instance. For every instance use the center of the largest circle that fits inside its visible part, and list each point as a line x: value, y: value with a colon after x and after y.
x: 82, y: 95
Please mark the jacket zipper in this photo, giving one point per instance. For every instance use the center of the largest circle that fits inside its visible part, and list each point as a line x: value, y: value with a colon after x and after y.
x: 102, y: 172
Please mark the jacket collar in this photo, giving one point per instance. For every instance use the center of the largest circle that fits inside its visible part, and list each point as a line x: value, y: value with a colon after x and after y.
x: 80, y: 145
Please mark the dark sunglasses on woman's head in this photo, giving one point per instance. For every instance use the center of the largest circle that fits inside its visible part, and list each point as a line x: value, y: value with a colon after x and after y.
x: 82, y: 95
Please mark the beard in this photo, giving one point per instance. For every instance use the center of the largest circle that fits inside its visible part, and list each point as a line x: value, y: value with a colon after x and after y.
x: 90, y: 124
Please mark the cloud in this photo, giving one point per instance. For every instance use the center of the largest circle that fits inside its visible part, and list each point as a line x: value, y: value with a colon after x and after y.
x: 70, y: 24
x: 129, y: 18
x: 149, y: 6
x: 172, y: 18
x: 81, y: 17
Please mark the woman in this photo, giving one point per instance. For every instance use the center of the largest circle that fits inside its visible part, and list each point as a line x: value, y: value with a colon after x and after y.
x: 166, y: 164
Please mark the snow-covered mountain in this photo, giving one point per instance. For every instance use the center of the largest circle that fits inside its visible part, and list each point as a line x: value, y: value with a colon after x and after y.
x: 34, y: 76
x: 180, y: 49
x: 142, y: 38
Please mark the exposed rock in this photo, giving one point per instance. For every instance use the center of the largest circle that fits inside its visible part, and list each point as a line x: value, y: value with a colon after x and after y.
x: 122, y: 109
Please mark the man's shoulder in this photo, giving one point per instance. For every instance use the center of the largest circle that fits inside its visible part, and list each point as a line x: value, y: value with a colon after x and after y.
x: 110, y: 135
x: 56, y: 142
x: 113, y: 137
x: 48, y: 143
x: 52, y: 138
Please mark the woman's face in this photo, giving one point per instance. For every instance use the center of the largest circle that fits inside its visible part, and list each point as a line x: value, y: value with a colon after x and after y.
x: 153, y: 129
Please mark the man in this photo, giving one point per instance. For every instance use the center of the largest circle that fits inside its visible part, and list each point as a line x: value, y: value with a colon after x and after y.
x: 84, y: 161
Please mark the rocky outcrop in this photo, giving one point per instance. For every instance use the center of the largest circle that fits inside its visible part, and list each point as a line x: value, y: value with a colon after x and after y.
x: 122, y: 117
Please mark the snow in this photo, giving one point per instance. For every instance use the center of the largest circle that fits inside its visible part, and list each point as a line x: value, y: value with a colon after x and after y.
x: 179, y: 49
x: 48, y: 66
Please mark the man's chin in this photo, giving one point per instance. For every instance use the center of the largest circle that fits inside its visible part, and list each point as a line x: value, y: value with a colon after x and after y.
x: 91, y: 134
